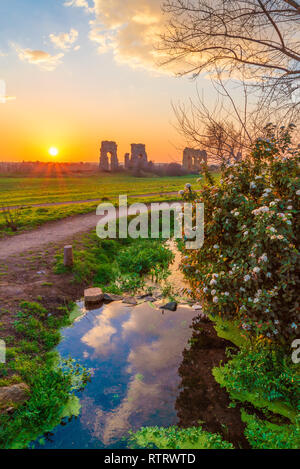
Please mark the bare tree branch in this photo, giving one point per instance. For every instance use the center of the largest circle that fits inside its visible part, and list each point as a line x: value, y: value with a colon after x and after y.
x: 257, y: 40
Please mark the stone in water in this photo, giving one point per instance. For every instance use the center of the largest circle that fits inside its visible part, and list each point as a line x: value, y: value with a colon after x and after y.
x: 172, y: 306
x: 93, y: 295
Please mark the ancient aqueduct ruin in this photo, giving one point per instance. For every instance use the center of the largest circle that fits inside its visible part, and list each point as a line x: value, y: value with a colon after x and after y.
x: 192, y: 159
x: 109, y: 156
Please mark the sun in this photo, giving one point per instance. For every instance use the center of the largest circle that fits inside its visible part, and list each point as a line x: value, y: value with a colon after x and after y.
x: 53, y: 151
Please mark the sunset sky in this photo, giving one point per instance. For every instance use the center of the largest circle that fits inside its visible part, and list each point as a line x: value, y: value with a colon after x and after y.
x: 85, y: 71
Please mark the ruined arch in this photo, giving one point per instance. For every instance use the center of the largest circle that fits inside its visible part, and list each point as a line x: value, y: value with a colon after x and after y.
x: 193, y: 159
x: 109, y: 156
x: 138, y: 157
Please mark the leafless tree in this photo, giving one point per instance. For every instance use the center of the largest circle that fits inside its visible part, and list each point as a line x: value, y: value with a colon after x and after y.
x: 256, y: 39
x: 227, y: 129
x: 222, y: 130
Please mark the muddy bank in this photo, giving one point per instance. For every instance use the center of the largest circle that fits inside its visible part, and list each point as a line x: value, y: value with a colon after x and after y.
x: 201, y: 399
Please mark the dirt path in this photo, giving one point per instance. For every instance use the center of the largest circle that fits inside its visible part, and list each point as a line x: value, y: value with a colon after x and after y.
x: 52, y: 232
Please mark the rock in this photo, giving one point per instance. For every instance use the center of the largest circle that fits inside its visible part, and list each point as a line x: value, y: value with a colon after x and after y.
x: 144, y: 295
x: 172, y: 306
x: 130, y: 300
x: 93, y: 295
x: 196, y: 306
x: 9, y: 410
x: 109, y: 297
x: 14, y: 394
x: 149, y: 298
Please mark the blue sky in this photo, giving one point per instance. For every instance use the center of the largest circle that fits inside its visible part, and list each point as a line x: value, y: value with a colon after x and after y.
x: 76, y: 98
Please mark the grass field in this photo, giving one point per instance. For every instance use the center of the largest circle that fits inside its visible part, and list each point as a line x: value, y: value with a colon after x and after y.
x: 33, y: 217
x: 27, y: 190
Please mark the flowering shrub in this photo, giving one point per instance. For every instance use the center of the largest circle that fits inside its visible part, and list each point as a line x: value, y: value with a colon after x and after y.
x: 249, y: 264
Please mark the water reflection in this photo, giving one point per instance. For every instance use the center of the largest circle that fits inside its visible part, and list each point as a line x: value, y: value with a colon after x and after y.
x: 135, y: 353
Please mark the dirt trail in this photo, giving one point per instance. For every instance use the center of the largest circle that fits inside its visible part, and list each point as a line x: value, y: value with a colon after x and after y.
x: 52, y: 232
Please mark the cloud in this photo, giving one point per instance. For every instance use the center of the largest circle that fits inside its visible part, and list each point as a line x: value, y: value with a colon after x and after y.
x: 64, y: 40
x: 80, y: 4
x: 42, y: 59
x: 130, y: 29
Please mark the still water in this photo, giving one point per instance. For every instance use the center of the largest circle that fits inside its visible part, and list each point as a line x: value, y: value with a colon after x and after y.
x: 134, y: 353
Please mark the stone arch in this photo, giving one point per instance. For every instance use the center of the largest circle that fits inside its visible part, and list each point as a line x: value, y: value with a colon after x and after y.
x: 193, y: 159
x: 109, y: 156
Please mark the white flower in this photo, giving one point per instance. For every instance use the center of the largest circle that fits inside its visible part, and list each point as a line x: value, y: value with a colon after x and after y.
x: 252, y: 185
x: 242, y: 288
x: 236, y: 214
x: 213, y: 292
x: 290, y: 207
x: 205, y: 289
x: 181, y: 192
x: 298, y: 192
x: 256, y: 270
x: 188, y: 186
x: 216, y: 246
x: 213, y: 282
x: 289, y: 222
x: 246, y: 278
x: 246, y: 233
x: 259, y: 210
x: 215, y: 299
x: 263, y: 258
x: 256, y: 300
x: 226, y: 293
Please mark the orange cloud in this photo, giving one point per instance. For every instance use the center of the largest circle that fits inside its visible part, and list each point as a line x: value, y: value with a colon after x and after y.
x: 42, y: 59
x: 130, y: 29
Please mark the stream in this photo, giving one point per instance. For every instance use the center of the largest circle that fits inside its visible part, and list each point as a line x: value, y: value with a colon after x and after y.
x: 134, y: 353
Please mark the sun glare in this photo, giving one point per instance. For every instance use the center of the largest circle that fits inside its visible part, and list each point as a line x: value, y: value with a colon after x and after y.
x: 53, y: 151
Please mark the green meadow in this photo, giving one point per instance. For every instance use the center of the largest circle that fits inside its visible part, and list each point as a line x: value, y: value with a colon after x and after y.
x: 30, y: 190
x: 32, y: 217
